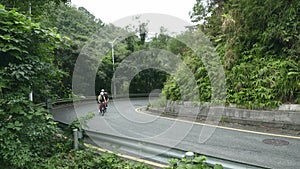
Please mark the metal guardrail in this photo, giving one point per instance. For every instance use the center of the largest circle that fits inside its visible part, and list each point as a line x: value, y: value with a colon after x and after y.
x: 49, y: 103
x: 156, y: 152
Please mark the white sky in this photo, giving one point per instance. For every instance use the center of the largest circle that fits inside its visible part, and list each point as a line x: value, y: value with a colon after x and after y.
x: 112, y: 10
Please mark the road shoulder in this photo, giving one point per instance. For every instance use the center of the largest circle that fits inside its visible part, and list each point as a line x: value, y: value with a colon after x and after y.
x: 267, y: 129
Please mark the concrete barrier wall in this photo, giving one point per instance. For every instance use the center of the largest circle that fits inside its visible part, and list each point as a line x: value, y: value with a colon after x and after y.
x: 294, y: 107
x: 275, y: 118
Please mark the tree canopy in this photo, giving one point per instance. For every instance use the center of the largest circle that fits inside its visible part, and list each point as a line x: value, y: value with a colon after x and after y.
x: 26, y: 64
x: 35, y: 8
x: 258, y: 43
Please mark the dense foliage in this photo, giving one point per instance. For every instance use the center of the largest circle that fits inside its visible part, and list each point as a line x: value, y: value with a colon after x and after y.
x: 32, y: 58
x: 259, y: 44
x: 197, y: 162
x: 130, y: 45
x: 26, y: 64
x: 33, y: 8
x: 88, y: 32
x: 76, y: 24
x: 89, y: 159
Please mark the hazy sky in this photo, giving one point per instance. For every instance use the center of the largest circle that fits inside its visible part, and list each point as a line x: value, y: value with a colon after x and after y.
x: 111, y: 10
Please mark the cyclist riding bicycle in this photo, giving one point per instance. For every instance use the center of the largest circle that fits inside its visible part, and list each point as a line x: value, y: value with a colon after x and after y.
x: 101, y: 100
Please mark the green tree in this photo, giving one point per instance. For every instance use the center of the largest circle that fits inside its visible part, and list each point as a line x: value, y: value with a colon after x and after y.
x: 258, y: 42
x: 27, y: 132
x: 197, y: 58
x: 78, y: 25
x: 134, y: 41
x: 32, y: 8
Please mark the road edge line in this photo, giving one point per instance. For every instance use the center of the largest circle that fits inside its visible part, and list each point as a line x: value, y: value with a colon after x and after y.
x: 151, y: 163
x: 221, y: 127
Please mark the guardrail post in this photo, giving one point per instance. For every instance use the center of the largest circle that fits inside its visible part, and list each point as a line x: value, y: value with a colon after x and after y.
x: 49, y: 104
x: 189, y: 155
x: 80, y: 134
x: 75, y: 132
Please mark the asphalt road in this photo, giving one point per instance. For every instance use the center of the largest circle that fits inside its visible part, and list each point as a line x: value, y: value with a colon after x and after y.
x: 123, y: 119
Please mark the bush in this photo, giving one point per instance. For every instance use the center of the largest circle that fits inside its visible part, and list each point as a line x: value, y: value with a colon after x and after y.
x: 89, y: 159
x: 198, y: 162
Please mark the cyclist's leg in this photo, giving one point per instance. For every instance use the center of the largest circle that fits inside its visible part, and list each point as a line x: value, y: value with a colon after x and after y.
x: 107, y: 103
x: 102, y: 105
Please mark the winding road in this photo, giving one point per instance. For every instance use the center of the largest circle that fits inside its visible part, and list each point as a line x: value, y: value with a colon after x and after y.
x: 123, y: 119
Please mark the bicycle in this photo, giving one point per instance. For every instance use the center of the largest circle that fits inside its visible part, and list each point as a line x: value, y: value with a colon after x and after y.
x: 102, y: 108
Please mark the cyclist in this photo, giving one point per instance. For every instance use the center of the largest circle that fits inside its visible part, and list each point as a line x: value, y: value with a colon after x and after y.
x: 106, y: 98
x: 101, y: 99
